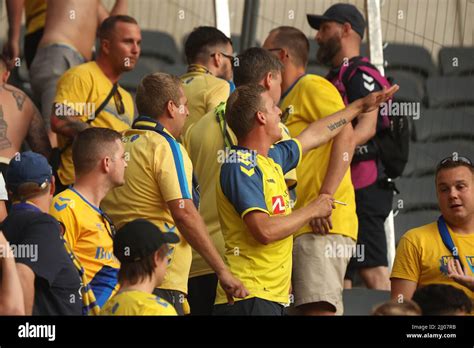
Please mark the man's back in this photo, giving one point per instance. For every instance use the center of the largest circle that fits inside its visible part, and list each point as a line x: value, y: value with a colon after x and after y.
x: 20, y: 120
x: 72, y: 22
x: 313, y: 98
x: 158, y: 171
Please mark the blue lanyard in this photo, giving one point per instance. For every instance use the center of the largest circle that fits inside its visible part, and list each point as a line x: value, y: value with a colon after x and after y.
x: 447, y: 240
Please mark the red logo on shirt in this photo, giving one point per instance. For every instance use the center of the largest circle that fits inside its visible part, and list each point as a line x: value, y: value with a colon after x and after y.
x: 278, y: 205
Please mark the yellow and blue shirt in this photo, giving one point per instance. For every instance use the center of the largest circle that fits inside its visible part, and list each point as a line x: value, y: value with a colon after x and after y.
x: 90, y: 237
x: 310, y: 99
x: 159, y: 170
x: 83, y: 89
x: 136, y: 302
x: 423, y: 258
x: 35, y: 15
x: 251, y: 182
x: 207, y: 153
x: 204, y: 92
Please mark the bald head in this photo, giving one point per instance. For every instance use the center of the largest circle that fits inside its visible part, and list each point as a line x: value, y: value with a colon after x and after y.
x: 294, y: 40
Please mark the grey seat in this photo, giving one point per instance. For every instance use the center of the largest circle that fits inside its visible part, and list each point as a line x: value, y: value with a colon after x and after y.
x: 411, y: 86
x: 361, y: 301
x: 456, y: 60
x: 423, y: 157
x: 160, y: 45
x: 174, y: 69
x: 131, y: 79
x: 406, y: 221
x: 416, y: 193
x: 409, y: 57
x: 317, y: 70
x: 442, y: 124
x: 313, y: 51
x: 450, y: 91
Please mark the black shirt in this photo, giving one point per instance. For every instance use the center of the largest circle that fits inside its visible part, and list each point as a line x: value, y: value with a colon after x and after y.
x: 36, y: 238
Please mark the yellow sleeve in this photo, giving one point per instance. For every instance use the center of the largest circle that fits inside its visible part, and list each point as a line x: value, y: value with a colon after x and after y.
x: 321, y: 99
x: 407, y: 264
x: 173, y: 170
x: 217, y: 94
x: 73, y: 91
x: 290, y: 177
x: 63, y: 212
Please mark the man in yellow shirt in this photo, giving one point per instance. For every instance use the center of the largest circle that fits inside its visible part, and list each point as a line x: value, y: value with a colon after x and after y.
x: 253, y: 201
x: 206, y: 143
x: 142, y: 251
x: 324, y: 170
x: 425, y: 254
x: 99, y: 162
x: 88, y: 95
x: 210, y: 56
x: 158, y: 187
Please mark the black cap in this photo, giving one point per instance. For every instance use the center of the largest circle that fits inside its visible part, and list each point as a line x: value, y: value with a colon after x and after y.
x: 340, y: 13
x: 138, y: 239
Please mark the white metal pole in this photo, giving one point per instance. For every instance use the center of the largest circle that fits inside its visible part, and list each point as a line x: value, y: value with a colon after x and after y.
x: 222, y: 16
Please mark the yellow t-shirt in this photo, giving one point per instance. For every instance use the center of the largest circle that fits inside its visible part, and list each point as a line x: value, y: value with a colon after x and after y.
x: 204, y: 92
x: 159, y: 170
x: 422, y: 257
x: 90, y: 238
x: 136, y: 302
x: 83, y: 88
x: 313, y: 98
x: 35, y: 15
x: 204, y: 142
x: 249, y: 182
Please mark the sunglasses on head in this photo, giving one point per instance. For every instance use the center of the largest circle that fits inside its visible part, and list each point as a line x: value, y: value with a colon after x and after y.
x: 453, y: 159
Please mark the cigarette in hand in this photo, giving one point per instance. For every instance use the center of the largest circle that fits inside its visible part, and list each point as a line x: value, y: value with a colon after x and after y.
x: 339, y: 202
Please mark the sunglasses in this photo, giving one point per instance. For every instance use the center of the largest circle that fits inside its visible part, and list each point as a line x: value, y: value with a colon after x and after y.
x: 231, y: 57
x: 119, y: 103
x: 108, y: 222
x: 453, y: 159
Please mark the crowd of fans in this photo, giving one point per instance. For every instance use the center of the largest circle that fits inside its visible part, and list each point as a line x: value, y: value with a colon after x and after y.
x: 229, y: 190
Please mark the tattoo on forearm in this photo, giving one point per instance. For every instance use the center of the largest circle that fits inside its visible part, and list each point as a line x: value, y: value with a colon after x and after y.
x: 37, y: 136
x: 19, y: 97
x: 335, y: 125
x: 4, y: 142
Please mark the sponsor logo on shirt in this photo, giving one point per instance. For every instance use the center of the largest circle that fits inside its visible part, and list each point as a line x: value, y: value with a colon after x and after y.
x: 278, y: 205
x: 101, y: 254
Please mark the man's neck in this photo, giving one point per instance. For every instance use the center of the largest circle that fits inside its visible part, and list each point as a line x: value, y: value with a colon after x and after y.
x: 209, y: 67
x: 290, y: 74
x: 42, y: 203
x: 345, y: 53
x: 92, y: 189
x: 466, y: 226
x: 147, y: 286
x: 256, y: 143
x: 107, y: 69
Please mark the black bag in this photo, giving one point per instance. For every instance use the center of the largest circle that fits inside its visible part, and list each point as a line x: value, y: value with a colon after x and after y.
x: 391, y: 144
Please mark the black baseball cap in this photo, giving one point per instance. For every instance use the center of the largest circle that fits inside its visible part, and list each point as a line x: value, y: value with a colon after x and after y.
x: 340, y: 13
x: 138, y: 239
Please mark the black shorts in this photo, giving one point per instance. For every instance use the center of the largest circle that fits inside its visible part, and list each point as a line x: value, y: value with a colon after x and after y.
x: 252, y: 306
x: 31, y: 45
x: 202, y: 294
x: 373, y: 205
x: 175, y: 297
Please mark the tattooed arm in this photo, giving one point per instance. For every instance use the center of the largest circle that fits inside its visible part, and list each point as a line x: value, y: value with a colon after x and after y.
x: 37, y: 136
x: 66, y: 125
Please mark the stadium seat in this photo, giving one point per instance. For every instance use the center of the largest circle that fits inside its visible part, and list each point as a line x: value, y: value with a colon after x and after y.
x: 174, y: 69
x: 452, y: 91
x: 411, y: 86
x: 160, y: 45
x: 456, y: 60
x: 361, y: 301
x: 406, y: 221
x: 236, y: 43
x: 409, y: 57
x: 416, y: 193
x: 442, y: 124
x: 423, y: 157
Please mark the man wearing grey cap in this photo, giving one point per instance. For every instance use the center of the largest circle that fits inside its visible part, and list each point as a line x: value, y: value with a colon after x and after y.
x: 340, y: 33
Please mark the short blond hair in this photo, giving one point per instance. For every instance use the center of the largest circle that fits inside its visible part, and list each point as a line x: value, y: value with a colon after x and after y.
x: 393, y: 307
x: 155, y: 91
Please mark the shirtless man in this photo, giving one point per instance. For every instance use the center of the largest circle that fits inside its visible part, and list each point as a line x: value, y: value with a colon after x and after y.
x: 19, y: 120
x: 68, y: 39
